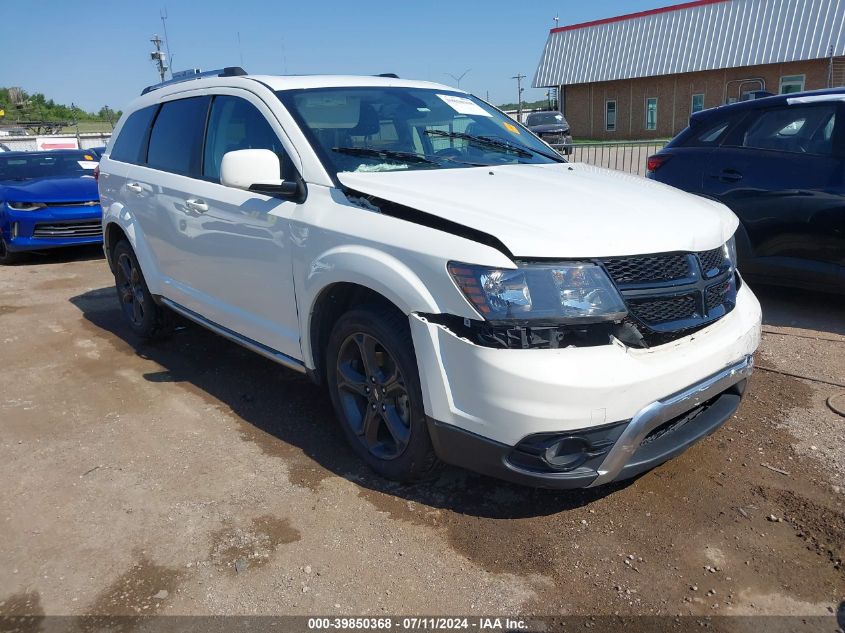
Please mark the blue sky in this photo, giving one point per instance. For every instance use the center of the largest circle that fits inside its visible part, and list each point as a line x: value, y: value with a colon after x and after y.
x: 99, y: 54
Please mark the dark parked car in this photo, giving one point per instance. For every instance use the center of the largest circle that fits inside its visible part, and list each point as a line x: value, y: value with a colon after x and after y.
x: 553, y: 128
x: 779, y: 164
x: 97, y: 151
x: 47, y: 200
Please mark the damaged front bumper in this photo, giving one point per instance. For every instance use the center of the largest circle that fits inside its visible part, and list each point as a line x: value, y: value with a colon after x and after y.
x: 581, y: 416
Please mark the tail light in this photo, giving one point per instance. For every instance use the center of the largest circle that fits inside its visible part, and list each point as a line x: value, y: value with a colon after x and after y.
x: 97, y: 173
x: 657, y: 161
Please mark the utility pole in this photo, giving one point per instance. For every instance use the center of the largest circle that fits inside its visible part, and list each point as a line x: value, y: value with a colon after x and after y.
x: 830, y: 67
x: 519, y: 77
x: 76, y: 123
x: 158, y: 56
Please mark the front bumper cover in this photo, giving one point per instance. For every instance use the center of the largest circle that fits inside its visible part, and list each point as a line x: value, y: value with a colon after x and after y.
x: 658, y: 432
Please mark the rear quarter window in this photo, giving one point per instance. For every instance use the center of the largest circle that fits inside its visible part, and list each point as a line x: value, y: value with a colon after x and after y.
x: 177, y: 136
x: 130, y: 144
x: 709, y: 133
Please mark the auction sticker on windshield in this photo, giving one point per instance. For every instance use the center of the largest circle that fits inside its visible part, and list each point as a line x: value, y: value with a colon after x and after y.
x: 462, y: 105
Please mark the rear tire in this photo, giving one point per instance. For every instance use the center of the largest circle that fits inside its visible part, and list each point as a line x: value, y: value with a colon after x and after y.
x: 372, y: 376
x: 7, y: 257
x: 147, y: 319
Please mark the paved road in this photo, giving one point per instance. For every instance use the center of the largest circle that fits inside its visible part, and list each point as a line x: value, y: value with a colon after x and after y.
x: 195, y: 477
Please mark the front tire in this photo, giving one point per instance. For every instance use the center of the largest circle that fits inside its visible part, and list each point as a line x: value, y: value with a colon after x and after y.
x: 372, y: 376
x: 7, y: 257
x: 145, y: 317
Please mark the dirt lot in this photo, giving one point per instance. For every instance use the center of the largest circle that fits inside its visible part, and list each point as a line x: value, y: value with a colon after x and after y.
x: 194, y: 477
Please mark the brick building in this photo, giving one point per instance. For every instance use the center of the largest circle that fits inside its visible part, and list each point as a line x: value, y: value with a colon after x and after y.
x: 640, y: 76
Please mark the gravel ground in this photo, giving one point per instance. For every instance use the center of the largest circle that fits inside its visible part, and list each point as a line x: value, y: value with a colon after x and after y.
x: 194, y: 477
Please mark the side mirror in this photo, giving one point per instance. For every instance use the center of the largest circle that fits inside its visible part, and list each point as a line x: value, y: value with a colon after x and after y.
x: 255, y: 170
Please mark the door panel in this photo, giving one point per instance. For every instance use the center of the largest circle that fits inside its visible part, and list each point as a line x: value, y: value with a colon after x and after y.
x: 241, y: 248
x: 238, y: 241
x: 790, y: 202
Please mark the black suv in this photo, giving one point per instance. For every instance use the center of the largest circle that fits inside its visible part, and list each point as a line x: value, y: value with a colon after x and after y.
x: 779, y: 164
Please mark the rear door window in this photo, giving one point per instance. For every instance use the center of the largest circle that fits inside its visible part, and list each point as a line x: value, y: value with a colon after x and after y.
x: 236, y: 124
x: 801, y: 129
x: 176, y: 137
x: 130, y: 145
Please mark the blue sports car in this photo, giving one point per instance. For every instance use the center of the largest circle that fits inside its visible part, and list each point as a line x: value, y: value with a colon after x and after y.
x: 47, y: 200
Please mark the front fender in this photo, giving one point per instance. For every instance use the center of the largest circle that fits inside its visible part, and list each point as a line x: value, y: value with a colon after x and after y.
x: 367, y: 267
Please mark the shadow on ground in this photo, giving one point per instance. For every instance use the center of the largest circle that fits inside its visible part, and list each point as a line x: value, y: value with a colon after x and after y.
x: 282, y: 409
x: 785, y: 307
x: 62, y: 255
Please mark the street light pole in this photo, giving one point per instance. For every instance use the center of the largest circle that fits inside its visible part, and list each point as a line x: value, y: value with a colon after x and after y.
x: 519, y: 77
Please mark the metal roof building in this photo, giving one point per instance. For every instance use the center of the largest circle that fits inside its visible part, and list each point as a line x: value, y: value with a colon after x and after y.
x: 760, y: 38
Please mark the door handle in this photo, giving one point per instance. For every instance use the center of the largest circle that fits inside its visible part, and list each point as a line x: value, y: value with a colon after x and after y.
x: 195, y: 204
x: 729, y: 175
x: 134, y: 186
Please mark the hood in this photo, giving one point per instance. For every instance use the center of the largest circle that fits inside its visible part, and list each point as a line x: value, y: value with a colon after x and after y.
x: 549, y: 127
x: 74, y: 189
x: 561, y: 210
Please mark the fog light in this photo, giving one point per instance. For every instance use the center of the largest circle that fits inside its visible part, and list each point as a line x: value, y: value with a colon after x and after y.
x: 568, y: 453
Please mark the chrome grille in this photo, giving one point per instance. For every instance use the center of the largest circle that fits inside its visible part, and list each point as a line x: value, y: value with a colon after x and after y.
x: 80, y: 203
x: 87, y: 228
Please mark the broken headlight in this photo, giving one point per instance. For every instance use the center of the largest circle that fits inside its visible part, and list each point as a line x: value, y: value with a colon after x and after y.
x: 556, y: 293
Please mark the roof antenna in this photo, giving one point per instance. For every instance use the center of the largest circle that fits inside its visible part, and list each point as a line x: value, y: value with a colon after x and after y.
x: 162, y: 13
x: 240, y: 51
x: 557, y: 20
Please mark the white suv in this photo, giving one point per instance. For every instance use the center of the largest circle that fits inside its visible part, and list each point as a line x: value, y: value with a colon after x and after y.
x: 464, y: 293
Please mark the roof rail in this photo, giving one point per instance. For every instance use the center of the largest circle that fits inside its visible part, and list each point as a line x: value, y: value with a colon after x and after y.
x: 229, y: 71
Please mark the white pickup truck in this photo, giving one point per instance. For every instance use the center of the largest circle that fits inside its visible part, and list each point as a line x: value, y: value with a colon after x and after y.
x: 465, y: 294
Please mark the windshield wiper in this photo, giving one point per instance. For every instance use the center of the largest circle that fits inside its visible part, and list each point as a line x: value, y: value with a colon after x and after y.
x: 387, y: 154
x: 517, y: 148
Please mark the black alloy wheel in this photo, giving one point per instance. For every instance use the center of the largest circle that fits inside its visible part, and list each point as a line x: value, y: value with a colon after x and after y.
x: 7, y: 256
x: 146, y: 318
x: 373, y: 396
x: 130, y: 289
x: 373, y: 380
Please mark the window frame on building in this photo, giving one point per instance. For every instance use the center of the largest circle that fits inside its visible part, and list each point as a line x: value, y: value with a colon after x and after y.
x: 692, y: 103
x: 654, y: 123
x: 799, y: 80
x: 607, y: 127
